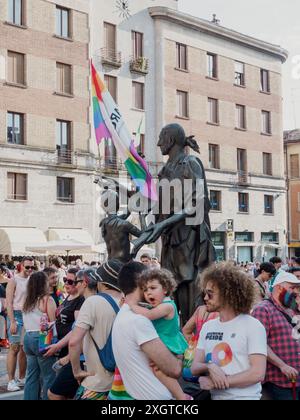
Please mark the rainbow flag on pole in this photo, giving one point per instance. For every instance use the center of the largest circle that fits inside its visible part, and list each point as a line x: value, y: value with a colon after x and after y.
x: 109, y: 123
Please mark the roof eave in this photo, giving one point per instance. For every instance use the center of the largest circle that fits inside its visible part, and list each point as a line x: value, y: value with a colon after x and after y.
x: 204, y: 26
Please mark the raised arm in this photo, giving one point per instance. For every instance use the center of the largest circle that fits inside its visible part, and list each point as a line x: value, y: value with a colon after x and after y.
x: 161, y: 311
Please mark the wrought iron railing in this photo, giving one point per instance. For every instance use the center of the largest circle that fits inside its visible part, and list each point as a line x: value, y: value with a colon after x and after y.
x: 111, y: 57
x: 65, y: 156
x: 243, y: 178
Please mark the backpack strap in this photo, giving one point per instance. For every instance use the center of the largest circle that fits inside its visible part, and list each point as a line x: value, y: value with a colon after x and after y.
x: 110, y: 300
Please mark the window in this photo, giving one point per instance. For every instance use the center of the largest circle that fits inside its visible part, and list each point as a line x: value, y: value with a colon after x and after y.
x: 15, y: 128
x: 264, y: 81
x: 214, y: 156
x: 65, y: 190
x: 239, y: 78
x: 240, y: 111
x: 111, y: 84
x: 137, y: 44
x: 62, y: 22
x: 269, y: 204
x: 213, y: 111
x: 267, y: 163
x: 212, y: 66
x: 294, y: 164
x: 242, y: 160
x: 64, y: 78
x: 63, y: 141
x: 244, y: 236
x: 110, y: 37
x: 140, y: 143
x: 15, y: 11
x: 271, y: 237
x: 215, y: 200
x: 243, y: 202
x: 266, y: 122
x: 15, y: 68
x: 182, y: 104
x: 181, y: 56
x: 138, y: 95
x: 16, y: 186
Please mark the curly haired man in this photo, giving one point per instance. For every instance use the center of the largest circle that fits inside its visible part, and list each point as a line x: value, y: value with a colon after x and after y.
x: 232, y: 349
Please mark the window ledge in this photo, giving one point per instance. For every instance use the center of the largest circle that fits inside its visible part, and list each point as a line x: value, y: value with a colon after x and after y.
x: 266, y: 134
x: 17, y: 85
x: 15, y: 25
x: 183, y: 70
x: 137, y: 109
x: 182, y: 118
x: 240, y: 129
x: 268, y: 214
x: 65, y: 95
x: 63, y: 38
x: 265, y: 92
x: 215, y: 211
x: 243, y: 212
x: 62, y: 203
x: 10, y: 200
x: 212, y: 123
x: 216, y: 79
x: 240, y: 86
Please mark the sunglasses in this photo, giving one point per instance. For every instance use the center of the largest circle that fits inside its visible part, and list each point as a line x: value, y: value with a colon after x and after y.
x: 29, y: 267
x: 77, y: 282
x: 209, y: 294
x: 69, y: 282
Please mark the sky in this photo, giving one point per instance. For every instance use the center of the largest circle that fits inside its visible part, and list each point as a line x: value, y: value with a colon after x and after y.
x: 275, y: 21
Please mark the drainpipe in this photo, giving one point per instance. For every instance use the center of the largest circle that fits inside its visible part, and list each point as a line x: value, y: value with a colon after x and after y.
x: 287, y: 182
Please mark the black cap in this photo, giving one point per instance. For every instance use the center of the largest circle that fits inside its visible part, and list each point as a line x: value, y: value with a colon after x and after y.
x: 109, y: 272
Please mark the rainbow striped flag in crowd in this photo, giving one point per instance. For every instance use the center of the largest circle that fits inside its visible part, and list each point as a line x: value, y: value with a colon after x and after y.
x: 109, y: 123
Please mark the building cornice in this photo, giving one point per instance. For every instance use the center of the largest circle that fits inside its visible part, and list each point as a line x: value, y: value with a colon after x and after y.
x: 216, y: 30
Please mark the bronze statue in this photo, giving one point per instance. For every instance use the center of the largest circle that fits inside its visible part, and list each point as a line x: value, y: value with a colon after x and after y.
x: 186, y: 250
x: 116, y: 229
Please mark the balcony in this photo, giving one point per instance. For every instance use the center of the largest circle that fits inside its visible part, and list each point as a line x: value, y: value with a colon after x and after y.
x: 115, y: 166
x: 139, y: 65
x: 111, y: 57
x: 65, y: 156
x: 242, y: 178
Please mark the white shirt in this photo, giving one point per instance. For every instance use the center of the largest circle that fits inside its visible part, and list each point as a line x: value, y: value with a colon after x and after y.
x: 130, y: 331
x: 229, y: 345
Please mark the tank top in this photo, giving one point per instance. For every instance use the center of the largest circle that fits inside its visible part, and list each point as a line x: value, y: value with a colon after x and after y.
x: 169, y: 332
x: 20, y: 292
x: 32, y: 319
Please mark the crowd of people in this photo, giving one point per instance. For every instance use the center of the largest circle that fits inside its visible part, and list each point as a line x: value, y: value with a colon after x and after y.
x: 115, y: 331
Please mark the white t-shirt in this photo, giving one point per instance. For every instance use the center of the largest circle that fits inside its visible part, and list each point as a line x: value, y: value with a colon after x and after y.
x: 130, y: 331
x: 229, y: 345
x: 97, y: 316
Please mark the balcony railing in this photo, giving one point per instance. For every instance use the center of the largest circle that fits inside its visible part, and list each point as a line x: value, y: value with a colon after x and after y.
x: 111, y: 57
x: 114, y: 166
x: 65, y: 156
x: 139, y: 65
x: 242, y: 178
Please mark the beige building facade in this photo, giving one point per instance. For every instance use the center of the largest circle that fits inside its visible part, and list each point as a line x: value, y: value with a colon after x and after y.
x: 46, y: 167
x: 292, y: 154
x: 225, y: 88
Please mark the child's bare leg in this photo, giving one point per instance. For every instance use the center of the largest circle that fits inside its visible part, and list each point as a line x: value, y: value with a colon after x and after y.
x: 172, y: 385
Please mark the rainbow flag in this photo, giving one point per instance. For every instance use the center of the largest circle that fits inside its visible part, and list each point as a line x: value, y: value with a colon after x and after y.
x: 109, y: 123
